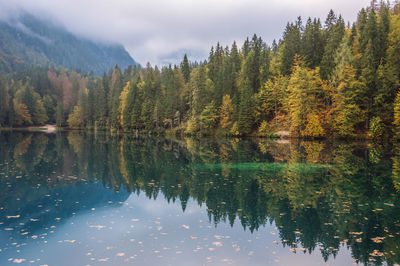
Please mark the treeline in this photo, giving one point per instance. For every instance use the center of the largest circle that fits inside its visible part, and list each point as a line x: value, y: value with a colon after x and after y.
x: 321, y: 80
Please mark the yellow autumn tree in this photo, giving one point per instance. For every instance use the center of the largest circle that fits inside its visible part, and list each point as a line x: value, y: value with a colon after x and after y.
x: 313, y: 127
x: 306, y: 99
x: 226, y: 112
x: 396, y: 121
x: 22, y: 115
x: 75, y: 118
x: 123, y: 99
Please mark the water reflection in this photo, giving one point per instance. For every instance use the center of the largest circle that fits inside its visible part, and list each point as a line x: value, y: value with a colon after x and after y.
x: 320, y: 195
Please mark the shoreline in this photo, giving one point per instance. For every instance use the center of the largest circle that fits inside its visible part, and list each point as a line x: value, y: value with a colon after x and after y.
x: 47, y: 128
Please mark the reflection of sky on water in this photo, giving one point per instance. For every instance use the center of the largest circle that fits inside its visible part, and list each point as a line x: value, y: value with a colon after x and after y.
x: 143, y: 231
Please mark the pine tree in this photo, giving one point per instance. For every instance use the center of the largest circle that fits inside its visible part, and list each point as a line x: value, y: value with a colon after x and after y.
x: 346, y: 109
x: 116, y: 86
x: 396, y: 121
x: 291, y: 47
x: 312, y: 43
x: 4, y: 101
x: 335, y: 29
x: 343, y: 58
x: 185, y: 68
x: 208, y: 117
x: 39, y: 116
x: 100, y: 104
x: 199, y: 85
x: 245, y: 114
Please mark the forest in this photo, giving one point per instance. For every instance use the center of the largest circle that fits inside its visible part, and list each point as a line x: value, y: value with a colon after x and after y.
x: 325, y: 79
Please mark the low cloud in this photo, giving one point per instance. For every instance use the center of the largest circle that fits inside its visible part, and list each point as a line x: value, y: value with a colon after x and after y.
x: 160, y: 31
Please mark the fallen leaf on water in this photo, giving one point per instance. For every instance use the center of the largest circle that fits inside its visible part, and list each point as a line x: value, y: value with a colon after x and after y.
x: 97, y: 226
x: 217, y: 244
x: 15, y: 216
x: 376, y: 253
x: 377, y: 239
x: 356, y: 233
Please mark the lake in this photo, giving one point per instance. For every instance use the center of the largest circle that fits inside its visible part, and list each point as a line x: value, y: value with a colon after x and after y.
x: 76, y: 198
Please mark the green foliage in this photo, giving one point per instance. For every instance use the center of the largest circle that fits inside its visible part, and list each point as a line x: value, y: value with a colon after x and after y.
x: 245, y: 118
x: 376, y: 129
x: 185, y: 68
x: 318, y: 81
x: 346, y: 103
x: 396, y: 121
x: 312, y: 43
x: 208, y: 117
x: 192, y: 126
x: 291, y: 46
x: 263, y: 130
x: 39, y: 113
x: 271, y: 98
x: 335, y: 30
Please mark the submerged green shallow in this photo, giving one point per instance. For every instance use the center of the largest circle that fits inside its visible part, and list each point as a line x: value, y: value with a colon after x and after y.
x: 267, y: 167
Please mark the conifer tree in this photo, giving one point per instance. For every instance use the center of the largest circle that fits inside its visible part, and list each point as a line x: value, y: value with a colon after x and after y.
x: 335, y: 29
x: 396, y: 121
x: 291, y: 47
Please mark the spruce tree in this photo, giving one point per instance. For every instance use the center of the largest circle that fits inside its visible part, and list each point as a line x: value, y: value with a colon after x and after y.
x: 185, y: 68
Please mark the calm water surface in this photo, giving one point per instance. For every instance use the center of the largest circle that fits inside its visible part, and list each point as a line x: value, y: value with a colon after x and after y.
x: 84, y: 199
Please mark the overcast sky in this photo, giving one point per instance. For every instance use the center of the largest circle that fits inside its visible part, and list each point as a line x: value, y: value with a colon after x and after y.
x: 160, y: 31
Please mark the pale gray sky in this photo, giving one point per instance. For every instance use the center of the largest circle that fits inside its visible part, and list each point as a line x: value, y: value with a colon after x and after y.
x: 159, y: 31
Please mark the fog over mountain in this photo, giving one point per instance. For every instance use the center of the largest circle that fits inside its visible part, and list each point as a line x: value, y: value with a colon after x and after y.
x: 26, y: 40
x: 161, y: 31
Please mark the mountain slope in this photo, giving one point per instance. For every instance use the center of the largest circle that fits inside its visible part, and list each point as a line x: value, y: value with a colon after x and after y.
x: 29, y: 41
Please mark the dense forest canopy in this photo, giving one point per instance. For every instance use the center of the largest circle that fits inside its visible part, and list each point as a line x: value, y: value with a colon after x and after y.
x: 322, y: 79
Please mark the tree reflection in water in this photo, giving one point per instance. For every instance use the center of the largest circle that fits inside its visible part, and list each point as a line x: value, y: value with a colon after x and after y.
x: 320, y: 195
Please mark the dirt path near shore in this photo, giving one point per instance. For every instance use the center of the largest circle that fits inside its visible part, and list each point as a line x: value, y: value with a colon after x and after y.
x: 50, y: 128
